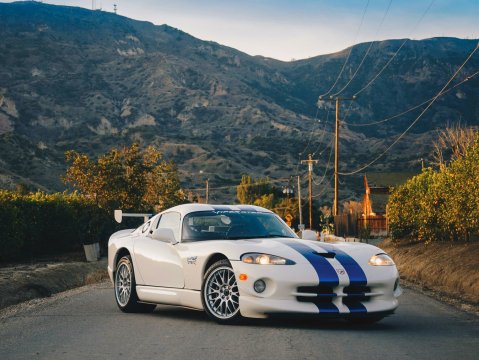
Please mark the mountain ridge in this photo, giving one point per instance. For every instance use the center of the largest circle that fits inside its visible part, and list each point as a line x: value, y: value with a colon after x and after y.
x: 206, y: 106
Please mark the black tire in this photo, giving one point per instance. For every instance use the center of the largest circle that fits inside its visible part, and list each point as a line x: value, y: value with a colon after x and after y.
x: 125, y: 288
x: 229, y: 296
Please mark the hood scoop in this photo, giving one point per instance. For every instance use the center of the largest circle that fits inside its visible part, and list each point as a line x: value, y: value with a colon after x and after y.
x: 328, y: 255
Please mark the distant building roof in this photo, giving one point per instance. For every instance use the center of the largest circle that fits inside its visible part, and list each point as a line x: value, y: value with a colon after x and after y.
x: 378, y: 187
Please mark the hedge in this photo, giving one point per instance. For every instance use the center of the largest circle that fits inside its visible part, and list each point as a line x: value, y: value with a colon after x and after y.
x: 37, y: 224
x: 439, y: 204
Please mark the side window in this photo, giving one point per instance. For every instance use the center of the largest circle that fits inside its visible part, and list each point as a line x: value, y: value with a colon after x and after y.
x: 170, y: 220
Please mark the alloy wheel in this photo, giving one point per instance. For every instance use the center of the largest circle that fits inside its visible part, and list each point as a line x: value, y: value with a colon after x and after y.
x: 221, y: 293
x: 123, y: 284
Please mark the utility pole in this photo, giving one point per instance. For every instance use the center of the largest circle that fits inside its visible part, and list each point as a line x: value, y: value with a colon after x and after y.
x: 207, y: 190
x: 336, y: 152
x: 299, y: 202
x: 310, y: 163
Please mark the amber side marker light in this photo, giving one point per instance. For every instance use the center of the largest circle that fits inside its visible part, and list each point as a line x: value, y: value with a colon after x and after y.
x: 243, y: 277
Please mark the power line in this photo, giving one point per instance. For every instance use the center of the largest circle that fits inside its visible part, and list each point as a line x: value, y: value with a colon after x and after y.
x: 350, y: 50
x: 323, y: 190
x: 234, y: 186
x: 418, y: 118
x: 311, y: 132
x: 397, y: 51
x: 346, y: 113
x: 320, y: 142
x: 367, y: 51
x: 327, y: 165
x: 414, y: 107
x: 311, y: 135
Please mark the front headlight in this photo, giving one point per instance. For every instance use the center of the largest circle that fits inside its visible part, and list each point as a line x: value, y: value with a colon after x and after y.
x: 265, y: 259
x: 381, y: 260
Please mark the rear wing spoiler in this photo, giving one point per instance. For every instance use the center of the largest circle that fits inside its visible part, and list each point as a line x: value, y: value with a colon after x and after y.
x: 119, y: 215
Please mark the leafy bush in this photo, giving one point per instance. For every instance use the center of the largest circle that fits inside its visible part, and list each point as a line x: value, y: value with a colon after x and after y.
x: 439, y: 205
x: 38, y: 223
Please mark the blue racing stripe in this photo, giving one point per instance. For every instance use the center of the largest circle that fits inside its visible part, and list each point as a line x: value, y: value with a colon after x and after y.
x: 326, y: 273
x: 356, y: 307
x: 354, y: 271
x: 327, y: 308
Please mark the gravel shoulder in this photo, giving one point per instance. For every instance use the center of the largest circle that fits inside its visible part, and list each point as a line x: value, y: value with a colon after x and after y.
x: 19, y: 283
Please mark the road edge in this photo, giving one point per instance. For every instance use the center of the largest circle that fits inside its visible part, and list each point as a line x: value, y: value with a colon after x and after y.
x: 50, y: 279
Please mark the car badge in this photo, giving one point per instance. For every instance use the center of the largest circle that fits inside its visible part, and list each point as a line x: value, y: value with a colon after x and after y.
x: 192, y: 260
x: 340, y: 271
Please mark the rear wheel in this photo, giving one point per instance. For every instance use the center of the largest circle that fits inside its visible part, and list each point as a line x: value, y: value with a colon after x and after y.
x: 125, y: 288
x: 220, y: 294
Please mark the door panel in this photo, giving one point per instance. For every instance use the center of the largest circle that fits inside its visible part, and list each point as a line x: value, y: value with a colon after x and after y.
x: 158, y: 262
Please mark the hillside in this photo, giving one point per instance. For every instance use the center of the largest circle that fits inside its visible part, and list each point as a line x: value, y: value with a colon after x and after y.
x: 72, y: 78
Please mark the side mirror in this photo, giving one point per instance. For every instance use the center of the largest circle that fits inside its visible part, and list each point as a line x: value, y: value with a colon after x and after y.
x: 308, y: 235
x: 165, y: 235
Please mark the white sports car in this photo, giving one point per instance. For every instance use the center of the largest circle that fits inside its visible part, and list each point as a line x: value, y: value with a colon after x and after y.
x: 241, y: 260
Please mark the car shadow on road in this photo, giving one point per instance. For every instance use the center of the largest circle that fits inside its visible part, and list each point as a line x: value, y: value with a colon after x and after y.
x: 309, y: 322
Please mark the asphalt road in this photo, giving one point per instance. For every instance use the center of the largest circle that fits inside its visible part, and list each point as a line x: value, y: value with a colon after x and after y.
x: 86, y: 324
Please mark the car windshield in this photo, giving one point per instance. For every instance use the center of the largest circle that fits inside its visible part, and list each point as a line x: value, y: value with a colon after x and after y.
x: 233, y: 225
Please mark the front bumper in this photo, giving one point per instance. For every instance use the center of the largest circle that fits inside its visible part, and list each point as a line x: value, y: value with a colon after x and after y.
x: 291, y: 289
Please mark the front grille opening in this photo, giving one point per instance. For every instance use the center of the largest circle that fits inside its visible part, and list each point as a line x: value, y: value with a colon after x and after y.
x: 324, y: 294
x: 356, y: 293
x: 356, y: 289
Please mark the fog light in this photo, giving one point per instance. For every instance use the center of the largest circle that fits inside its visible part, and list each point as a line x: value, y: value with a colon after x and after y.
x: 396, y: 284
x: 259, y: 286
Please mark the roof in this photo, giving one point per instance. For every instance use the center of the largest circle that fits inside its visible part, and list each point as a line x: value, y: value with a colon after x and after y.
x: 388, y: 179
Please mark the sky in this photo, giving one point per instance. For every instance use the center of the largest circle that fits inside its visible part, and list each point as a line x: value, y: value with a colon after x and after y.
x: 298, y: 29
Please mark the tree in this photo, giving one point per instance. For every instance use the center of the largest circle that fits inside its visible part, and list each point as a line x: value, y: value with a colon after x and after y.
x: 248, y: 191
x: 266, y: 201
x: 244, y: 192
x: 126, y: 178
x: 452, y: 143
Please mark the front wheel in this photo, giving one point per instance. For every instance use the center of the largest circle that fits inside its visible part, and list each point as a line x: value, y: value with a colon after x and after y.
x: 125, y: 288
x: 220, y: 294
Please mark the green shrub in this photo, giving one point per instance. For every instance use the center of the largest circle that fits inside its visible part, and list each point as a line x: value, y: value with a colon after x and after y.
x: 37, y: 224
x: 439, y: 205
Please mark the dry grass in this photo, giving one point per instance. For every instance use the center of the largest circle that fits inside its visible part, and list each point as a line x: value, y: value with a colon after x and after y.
x: 96, y: 277
x: 452, y: 269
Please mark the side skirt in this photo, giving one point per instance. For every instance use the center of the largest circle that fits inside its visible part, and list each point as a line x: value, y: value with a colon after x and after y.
x: 170, y: 296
